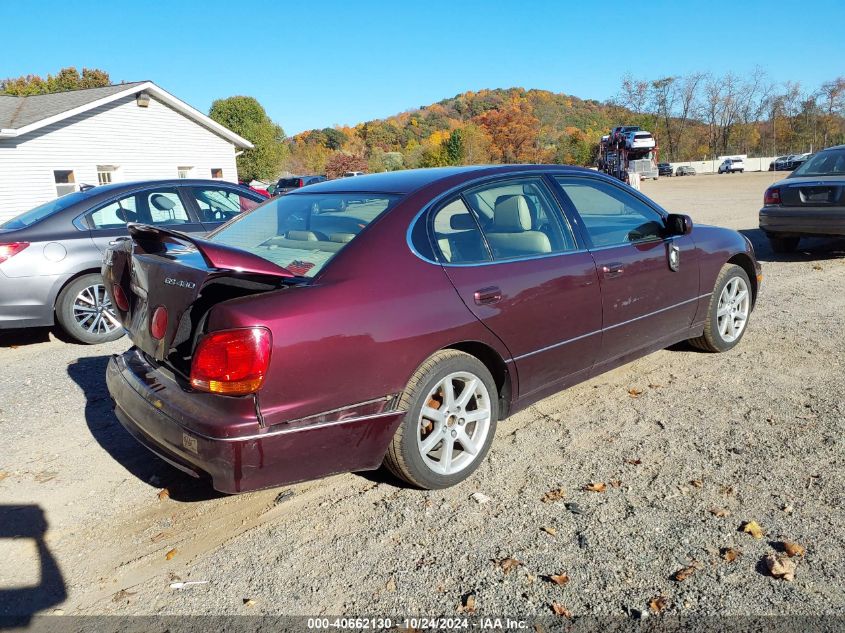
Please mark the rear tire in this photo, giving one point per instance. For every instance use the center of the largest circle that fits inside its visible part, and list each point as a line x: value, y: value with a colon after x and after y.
x: 444, y: 437
x: 728, y: 312
x: 85, y: 313
x: 783, y: 245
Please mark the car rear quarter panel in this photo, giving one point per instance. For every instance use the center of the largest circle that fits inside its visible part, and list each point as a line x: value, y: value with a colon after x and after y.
x: 361, y: 329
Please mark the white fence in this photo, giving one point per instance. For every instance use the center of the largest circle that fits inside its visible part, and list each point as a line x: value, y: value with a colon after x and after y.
x: 712, y: 166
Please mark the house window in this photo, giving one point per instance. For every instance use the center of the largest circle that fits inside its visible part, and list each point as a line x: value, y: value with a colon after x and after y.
x: 105, y: 174
x: 65, y: 181
x: 184, y: 172
x: 216, y: 172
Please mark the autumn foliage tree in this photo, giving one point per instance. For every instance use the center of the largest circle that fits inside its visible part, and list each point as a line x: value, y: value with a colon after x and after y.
x: 340, y: 163
x: 514, y: 130
x: 66, y: 79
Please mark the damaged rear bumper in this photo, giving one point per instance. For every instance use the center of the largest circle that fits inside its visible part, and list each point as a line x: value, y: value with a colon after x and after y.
x: 220, y: 437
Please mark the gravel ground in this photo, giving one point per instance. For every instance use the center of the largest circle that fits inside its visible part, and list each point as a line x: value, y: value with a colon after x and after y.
x: 688, y: 446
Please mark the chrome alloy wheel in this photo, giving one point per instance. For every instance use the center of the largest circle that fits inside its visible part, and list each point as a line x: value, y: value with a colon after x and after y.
x: 733, y: 308
x: 454, y: 423
x: 93, y: 311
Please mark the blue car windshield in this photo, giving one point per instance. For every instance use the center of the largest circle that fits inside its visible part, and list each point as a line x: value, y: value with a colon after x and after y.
x: 42, y: 211
x: 301, y: 231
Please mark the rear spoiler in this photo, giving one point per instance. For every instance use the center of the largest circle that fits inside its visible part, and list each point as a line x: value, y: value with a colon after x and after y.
x: 215, y: 255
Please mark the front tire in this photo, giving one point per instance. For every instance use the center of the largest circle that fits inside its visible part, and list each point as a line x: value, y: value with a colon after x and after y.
x: 84, y: 311
x: 728, y: 312
x: 452, y: 407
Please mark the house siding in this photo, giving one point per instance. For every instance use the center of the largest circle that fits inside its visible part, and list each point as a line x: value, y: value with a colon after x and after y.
x: 143, y: 143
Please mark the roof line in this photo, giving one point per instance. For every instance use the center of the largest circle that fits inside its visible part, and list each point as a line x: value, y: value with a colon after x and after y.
x: 163, y: 95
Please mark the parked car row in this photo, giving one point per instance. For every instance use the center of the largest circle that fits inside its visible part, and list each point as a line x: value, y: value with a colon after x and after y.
x: 788, y: 163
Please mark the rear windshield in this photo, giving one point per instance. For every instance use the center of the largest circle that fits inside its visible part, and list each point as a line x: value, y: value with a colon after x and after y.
x: 288, y: 182
x: 40, y: 212
x: 829, y: 163
x: 303, y: 232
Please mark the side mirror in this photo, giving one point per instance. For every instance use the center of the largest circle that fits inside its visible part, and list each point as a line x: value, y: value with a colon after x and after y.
x: 678, y: 224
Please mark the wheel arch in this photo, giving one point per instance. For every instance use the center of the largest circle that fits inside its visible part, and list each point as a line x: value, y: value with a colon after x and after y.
x: 70, y: 280
x: 497, y: 367
x: 744, y: 261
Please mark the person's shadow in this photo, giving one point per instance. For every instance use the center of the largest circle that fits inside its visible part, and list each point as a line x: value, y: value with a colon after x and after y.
x: 19, y: 604
x: 90, y: 374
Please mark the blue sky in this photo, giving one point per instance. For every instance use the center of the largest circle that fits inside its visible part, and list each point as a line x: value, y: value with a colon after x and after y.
x: 320, y: 63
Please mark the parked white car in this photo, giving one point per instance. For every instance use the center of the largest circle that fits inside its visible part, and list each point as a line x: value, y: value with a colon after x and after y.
x: 639, y: 140
x: 730, y: 165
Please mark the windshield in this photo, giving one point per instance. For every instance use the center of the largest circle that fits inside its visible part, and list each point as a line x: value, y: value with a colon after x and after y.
x: 829, y: 163
x: 302, y: 232
x: 27, y: 218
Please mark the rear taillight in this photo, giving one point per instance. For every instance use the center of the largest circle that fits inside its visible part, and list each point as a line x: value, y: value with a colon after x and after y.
x: 772, y: 196
x: 301, y: 183
x: 232, y: 362
x: 120, y: 298
x: 11, y: 249
x: 158, y: 322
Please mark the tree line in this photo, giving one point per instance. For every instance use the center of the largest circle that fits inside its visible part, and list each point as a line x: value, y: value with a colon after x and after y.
x: 697, y: 116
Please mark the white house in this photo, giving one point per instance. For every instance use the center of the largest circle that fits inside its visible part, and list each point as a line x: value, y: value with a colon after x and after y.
x: 52, y: 144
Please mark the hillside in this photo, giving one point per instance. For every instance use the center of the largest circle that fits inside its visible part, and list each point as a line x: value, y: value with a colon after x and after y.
x: 510, y: 125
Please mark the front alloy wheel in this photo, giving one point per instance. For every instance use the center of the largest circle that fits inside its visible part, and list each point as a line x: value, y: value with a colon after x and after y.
x: 728, y: 312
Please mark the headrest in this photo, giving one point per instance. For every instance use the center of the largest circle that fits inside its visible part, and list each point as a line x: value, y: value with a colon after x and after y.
x: 343, y: 238
x: 303, y: 236
x: 162, y: 203
x: 462, y: 222
x: 125, y: 215
x: 511, y: 214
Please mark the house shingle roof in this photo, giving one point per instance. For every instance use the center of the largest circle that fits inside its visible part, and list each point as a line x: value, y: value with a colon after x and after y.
x: 17, y: 112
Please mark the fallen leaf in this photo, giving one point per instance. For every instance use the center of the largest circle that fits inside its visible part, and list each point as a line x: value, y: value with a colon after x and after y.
x: 170, y: 554
x: 283, y: 496
x: 122, y: 595
x: 163, y: 494
x: 549, y: 530
x: 560, y: 579
x: 249, y: 602
x: 682, y: 574
x: 554, y: 495
x: 658, y: 603
x: 634, y: 392
x: 728, y: 491
x: 480, y: 497
x: 158, y: 537
x: 467, y: 604
x: 753, y: 528
x: 720, y: 513
x: 634, y: 462
x: 508, y: 564
x: 781, y: 567
x: 3, y: 475
x: 696, y: 483
x: 615, y: 483
x: 730, y: 554
x: 390, y: 585
x: 793, y: 549
x: 559, y: 609
x: 595, y: 487
x: 817, y: 267
x: 652, y: 385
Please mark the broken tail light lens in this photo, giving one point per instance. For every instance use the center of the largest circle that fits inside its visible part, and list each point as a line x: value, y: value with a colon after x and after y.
x: 120, y: 298
x: 772, y: 196
x: 232, y: 362
x: 10, y: 249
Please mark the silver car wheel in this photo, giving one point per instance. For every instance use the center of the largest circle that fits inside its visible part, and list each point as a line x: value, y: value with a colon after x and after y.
x: 733, y: 308
x: 93, y: 311
x: 454, y: 423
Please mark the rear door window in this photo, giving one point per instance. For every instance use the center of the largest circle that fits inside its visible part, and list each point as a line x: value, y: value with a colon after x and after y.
x: 115, y: 214
x: 221, y: 204
x: 457, y: 236
x: 165, y: 207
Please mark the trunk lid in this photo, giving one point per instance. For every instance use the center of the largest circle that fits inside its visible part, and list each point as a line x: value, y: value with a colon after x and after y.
x: 813, y: 192
x: 186, y: 276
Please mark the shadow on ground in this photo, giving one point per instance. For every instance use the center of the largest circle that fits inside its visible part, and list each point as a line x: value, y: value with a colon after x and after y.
x: 90, y: 374
x: 809, y: 248
x: 19, y: 603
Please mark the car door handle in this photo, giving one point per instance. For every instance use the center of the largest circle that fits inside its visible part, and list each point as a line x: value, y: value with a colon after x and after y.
x: 118, y: 241
x: 486, y: 296
x: 612, y: 270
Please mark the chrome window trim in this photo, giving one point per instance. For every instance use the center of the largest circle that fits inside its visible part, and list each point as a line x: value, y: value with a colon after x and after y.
x: 605, y: 329
x: 471, y: 184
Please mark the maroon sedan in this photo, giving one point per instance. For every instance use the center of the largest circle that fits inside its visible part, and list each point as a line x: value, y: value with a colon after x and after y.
x: 395, y: 318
